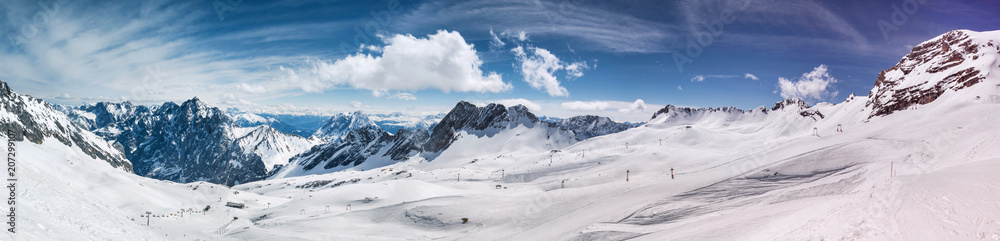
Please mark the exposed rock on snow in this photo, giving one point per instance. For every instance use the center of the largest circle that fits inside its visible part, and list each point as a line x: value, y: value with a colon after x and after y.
x: 34, y: 120
x: 952, y: 61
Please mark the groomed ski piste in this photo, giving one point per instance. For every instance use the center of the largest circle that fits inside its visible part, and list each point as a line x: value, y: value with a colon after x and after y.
x: 928, y: 172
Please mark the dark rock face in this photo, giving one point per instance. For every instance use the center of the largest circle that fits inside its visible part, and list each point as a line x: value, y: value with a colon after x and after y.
x: 181, y: 143
x: 358, y: 146
x: 688, y: 111
x: 368, y: 142
x: 796, y: 105
x: 34, y: 120
x: 941, y: 58
x: 466, y: 116
x: 588, y: 126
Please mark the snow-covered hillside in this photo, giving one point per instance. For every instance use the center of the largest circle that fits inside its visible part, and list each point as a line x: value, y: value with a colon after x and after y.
x: 27, y: 118
x: 273, y: 147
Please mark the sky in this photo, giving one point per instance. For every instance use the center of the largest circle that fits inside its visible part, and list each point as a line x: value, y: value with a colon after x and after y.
x: 621, y: 59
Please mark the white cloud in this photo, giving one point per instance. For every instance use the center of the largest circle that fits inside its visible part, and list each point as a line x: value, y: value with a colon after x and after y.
x: 527, y: 103
x: 637, y: 106
x: 815, y: 85
x: 495, y: 42
x: 357, y: 104
x: 403, y: 96
x: 539, y: 67
x: 230, y: 99
x: 585, y: 106
x: 251, y: 89
x: 679, y: 88
x: 750, y: 76
x: 442, y: 61
x: 700, y: 78
x: 593, y: 27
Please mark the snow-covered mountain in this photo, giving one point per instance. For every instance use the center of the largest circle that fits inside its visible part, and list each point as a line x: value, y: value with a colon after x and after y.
x: 370, y: 147
x: 31, y: 119
x: 364, y: 148
x: 189, y: 142
x: 950, y: 62
x: 488, y: 121
x: 588, y: 126
x: 339, y: 125
x: 392, y: 122
x: 298, y: 124
x: 274, y: 147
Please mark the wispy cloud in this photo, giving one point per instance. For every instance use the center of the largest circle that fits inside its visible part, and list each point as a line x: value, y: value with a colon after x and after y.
x: 585, y: 105
x: 88, y: 49
x: 597, y: 27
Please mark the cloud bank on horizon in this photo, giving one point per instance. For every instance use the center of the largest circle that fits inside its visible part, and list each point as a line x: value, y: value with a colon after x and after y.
x: 401, y: 55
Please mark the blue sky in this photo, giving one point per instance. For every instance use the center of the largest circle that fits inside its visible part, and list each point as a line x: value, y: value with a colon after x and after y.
x: 623, y: 59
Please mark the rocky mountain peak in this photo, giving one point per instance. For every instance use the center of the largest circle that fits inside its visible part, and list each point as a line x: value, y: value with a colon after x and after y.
x: 790, y: 103
x: 952, y: 61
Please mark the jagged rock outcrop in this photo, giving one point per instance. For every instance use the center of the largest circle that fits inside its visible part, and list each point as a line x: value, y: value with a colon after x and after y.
x: 356, y: 147
x: 952, y: 61
x: 589, y: 126
x: 372, y: 146
x: 181, y: 143
x: 468, y: 117
x: 35, y: 120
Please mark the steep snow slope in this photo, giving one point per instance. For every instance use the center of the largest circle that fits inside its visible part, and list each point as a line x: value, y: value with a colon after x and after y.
x: 273, y: 146
x: 26, y: 118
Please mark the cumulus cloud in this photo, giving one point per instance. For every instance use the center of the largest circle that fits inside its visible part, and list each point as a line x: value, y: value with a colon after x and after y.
x: 442, y: 61
x: 357, y: 104
x: 750, y: 76
x: 519, y: 101
x: 585, y: 106
x: 403, y: 96
x: 815, y: 85
x: 637, y: 106
x: 698, y: 78
x: 539, y: 67
x: 679, y: 88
